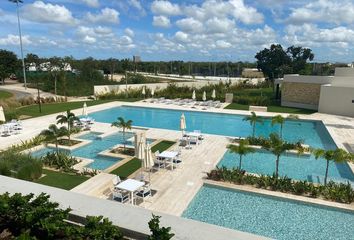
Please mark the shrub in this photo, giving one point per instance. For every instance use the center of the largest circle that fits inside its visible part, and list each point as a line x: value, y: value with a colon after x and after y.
x: 157, y: 232
x: 30, y: 171
x: 62, y: 161
x: 338, y: 192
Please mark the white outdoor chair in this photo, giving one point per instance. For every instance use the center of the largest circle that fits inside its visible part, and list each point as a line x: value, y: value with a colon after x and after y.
x: 120, y: 197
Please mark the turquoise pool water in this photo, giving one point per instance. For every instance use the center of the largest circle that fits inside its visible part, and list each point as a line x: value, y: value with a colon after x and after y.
x: 304, y: 167
x: 267, y: 216
x: 313, y: 133
x: 96, y: 146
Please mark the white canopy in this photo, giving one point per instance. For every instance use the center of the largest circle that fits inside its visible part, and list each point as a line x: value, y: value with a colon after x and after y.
x: 182, y: 123
x: 213, y: 95
x: 148, y: 160
x: 141, y: 148
x: 84, y: 109
x: 193, y: 95
x: 2, y: 115
x: 204, y: 96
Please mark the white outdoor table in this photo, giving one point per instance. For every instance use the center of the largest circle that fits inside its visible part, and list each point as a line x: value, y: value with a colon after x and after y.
x: 131, y: 186
x: 169, y: 155
x: 194, y: 134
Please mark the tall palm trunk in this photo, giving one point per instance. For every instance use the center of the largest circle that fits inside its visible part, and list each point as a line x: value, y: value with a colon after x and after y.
x: 281, y: 131
x: 326, y: 175
x: 277, y: 166
x: 254, y: 129
x: 124, y: 139
x: 56, y: 146
x: 69, y: 130
x: 240, y: 162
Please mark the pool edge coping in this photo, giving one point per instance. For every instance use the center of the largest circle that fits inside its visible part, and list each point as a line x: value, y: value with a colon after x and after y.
x: 286, y: 196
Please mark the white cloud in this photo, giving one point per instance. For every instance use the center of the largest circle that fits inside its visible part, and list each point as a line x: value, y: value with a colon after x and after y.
x: 137, y: 5
x: 161, y: 21
x: 324, y: 11
x: 11, y: 39
x: 88, y: 39
x: 162, y: 7
x: 311, y: 36
x: 245, y: 14
x: 223, y: 44
x: 129, y: 32
x: 91, y: 3
x: 190, y: 25
x: 107, y: 15
x: 217, y: 25
x: 182, y: 37
x: 47, y: 13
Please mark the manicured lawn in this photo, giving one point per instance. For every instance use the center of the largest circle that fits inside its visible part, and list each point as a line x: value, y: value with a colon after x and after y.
x: 5, y: 94
x: 272, y: 108
x: 128, y: 168
x: 51, y: 108
x: 135, y: 164
x: 162, y: 146
x: 61, y: 180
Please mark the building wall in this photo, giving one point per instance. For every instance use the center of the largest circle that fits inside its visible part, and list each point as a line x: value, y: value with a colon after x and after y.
x: 299, y: 94
x: 337, y: 100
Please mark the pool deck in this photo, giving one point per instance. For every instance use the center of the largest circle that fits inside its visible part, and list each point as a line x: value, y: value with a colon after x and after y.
x: 175, y: 189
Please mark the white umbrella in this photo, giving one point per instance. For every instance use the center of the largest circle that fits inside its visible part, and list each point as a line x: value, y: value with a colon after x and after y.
x: 149, y: 160
x: 204, y: 96
x: 141, y: 148
x: 152, y: 93
x: 193, y: 95
x: 2, y: 115
x: 84, y: 109
x: 143, y: 92
x: 182, y: 123
x: 213, y: 95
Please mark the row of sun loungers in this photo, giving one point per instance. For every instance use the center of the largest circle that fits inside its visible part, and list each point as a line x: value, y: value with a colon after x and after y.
x: 11, y: 128
x: 188, y: 102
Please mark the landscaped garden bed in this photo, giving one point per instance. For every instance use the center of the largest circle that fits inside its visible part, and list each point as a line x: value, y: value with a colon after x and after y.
x: 125, y: 151
x: 68, y: 143
x: 338, y: 192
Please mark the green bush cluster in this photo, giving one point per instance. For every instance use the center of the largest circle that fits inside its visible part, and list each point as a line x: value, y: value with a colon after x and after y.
x: 338, y: 192
x: 261, y: 141
x: 30, y: 217
x: 36, y: 217
x: 18, y: 165
x: 61, y: 161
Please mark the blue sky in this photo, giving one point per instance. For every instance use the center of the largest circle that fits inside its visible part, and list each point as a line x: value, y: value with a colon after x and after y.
x: 203, y: 30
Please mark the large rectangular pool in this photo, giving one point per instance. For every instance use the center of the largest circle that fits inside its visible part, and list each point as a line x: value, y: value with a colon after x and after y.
x: 269, y: 216
x: 313, y: 133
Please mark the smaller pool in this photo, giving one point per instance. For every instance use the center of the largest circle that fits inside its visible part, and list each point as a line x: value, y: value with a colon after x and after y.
x: 269, y: 216
x: 92, y: 150
x: 304, y: 167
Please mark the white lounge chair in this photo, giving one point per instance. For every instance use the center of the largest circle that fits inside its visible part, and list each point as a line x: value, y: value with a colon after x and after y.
x: 116, y: 181
x: 144, y: 192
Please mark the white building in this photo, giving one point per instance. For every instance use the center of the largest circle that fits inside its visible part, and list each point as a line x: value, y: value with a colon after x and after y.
x: 327, y: 94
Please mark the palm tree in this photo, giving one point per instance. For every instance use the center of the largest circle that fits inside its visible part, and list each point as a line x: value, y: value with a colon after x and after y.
x: 279, y: 119
x: 53, y: 133
x: 253, y: 119
x: 242, y: 149
x: 339, y: 155
x: 278, y: 147
x: 121, y: 123
x: 68, y: 119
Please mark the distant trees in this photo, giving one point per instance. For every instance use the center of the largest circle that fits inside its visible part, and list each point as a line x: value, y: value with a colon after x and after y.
x: 275, y: 61
x: 8, y: 64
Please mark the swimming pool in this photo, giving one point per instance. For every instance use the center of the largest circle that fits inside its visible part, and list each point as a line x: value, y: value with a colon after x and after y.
x: 92, y: 150
x: 304, y: 167
x: 313, y: 133
x: 269, y: 216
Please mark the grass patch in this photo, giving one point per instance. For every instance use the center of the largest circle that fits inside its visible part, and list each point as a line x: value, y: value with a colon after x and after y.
x: 162, y: 146
x: 51, y: 108
x: 272, y: 108
x: 5, y: 95
x: 128, y: 168
x: 61, y: 180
